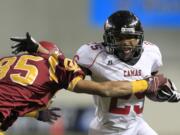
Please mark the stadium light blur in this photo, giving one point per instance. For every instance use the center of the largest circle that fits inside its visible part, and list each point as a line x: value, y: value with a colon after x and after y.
x: 153, y: 13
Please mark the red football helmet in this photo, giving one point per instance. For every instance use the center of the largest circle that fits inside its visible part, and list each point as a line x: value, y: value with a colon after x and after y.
x: 49, y: 46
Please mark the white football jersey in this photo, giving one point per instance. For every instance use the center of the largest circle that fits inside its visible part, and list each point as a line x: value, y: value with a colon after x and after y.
x: 122, y: 111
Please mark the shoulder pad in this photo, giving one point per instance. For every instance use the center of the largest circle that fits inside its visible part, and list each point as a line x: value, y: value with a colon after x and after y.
x: 87, y: 53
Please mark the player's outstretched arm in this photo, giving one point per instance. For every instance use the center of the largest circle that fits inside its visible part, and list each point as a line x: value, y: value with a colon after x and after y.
x: 120, y: 88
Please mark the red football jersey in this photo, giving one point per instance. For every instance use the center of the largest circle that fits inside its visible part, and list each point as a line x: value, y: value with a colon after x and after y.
x: 28, y: 82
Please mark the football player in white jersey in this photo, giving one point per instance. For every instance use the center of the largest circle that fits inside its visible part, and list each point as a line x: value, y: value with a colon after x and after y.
x: 124, y: 55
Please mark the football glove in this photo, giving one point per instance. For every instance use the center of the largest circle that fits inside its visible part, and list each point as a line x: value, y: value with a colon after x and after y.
x: 24, y: 44
x: 169, y: 92
x: 49, y: 115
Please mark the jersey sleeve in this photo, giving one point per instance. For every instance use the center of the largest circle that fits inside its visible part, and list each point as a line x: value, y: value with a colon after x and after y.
x: 67, y: 73
x: 87, y: 53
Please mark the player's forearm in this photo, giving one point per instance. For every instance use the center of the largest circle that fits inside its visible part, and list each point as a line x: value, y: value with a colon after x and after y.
x: 111, y: 88
x: 116, y: 88
x: 123, y: 88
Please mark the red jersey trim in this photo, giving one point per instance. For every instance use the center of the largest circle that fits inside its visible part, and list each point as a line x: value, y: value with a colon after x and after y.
x: 95, y: 59
x: 73, y: 83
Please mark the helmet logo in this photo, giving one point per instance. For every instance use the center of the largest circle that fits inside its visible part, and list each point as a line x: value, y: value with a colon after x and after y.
x: 128, y: 30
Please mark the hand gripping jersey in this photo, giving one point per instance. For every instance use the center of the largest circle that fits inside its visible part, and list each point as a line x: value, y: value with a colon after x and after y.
x: 122, y: 111
x: 27, y: 82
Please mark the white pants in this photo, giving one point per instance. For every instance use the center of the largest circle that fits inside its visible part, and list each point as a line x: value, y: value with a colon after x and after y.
x: 139, y: 127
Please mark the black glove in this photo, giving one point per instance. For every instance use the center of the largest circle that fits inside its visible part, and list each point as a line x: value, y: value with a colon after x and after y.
x: 24, y: 44
x: 49, y: 115
x: 169, y: 92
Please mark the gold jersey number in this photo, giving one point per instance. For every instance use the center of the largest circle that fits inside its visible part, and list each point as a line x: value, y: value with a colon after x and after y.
x: 21, y: 64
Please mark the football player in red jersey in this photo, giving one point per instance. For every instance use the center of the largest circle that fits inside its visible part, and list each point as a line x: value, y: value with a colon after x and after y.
x: 29, y: 80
